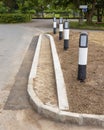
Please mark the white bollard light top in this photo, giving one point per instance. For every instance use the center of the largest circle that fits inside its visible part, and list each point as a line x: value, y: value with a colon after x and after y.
x: 83, y: 40
x: 61, y: 20
x: 66, y: 25
x: 54, y: 19
x: 84, y: 33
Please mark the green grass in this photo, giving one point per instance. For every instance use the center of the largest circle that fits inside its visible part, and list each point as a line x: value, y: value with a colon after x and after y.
x: 92, y: 26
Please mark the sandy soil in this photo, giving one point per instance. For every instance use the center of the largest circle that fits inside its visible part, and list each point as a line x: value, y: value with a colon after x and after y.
x: 87, y: 97
x: 44, y: 84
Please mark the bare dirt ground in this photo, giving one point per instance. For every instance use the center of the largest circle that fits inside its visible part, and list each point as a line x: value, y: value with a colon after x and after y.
x: 87, y: 97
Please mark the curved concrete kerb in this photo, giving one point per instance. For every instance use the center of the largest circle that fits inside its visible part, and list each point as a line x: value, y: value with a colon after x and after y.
x: 55, y: 112
x: 35, y: 62
x: 61, y: 87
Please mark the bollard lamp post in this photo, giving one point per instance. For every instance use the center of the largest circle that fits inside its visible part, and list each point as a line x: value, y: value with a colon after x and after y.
x: 60, y: 28
x: 54, y: 25
x: 66, y: 35
x: 83, y: 52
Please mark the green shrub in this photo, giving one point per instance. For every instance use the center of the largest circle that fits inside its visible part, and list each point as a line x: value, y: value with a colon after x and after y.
x: 14, y: 18
x: 3, y: 9
x: 31, y: 11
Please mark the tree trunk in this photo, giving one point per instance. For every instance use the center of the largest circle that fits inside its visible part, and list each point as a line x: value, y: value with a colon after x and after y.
x: 11, y: 4
x: 81, y: 18
x: 90, y: 12
x: 23, y: 2
x: 99, y: 14
x: 89, y: 18
x: 42, y: 11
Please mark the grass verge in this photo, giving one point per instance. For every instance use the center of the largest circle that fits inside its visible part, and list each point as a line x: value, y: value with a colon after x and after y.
x: 92, y: 26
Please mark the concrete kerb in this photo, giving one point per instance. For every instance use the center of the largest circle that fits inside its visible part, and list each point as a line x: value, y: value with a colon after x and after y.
x: 54, y: 112
x: 35, y: 62
x: 60, y: 84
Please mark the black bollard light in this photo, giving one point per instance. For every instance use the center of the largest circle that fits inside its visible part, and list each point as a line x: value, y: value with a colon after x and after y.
x: 83, y: 52
x: 60, y: 28
x: 54, y: 25
x: 66, y: 35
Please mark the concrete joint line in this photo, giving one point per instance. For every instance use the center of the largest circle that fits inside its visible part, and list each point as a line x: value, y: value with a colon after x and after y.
x: 54, y: 112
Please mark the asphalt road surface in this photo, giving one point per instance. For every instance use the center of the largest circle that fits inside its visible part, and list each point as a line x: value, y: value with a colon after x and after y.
x: 17, y: 46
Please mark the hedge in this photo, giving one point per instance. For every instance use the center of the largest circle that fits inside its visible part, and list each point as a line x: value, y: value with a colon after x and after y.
x: 14, y: 18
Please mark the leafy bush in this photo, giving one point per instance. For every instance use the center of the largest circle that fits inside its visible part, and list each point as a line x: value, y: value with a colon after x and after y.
x: 14, y: 18
x: 3, y: 9
x: 27, y: 11
x: 31, y: 11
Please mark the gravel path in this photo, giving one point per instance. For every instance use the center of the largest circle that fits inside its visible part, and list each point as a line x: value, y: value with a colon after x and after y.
x: 44, y: 85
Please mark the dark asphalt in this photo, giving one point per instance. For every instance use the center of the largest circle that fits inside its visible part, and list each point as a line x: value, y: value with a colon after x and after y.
x: 18, y: 97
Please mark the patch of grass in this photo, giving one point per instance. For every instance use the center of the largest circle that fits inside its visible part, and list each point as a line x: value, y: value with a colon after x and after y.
x: 92, y: 26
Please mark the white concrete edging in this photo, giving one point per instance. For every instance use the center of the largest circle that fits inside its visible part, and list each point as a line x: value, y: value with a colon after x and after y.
x: 54, y: 112
x: 35, y: 62
x: 60, y: 84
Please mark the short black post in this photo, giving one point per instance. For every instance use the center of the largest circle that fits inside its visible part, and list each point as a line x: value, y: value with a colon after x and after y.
x: 83, y: 52
x: 60, y: 28
x: 54, y: 25
x: 66, y: 35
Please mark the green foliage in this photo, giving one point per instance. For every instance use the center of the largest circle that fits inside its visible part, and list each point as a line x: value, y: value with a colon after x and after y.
x: 25, y: 7
x: 3, y: 9
x: 31, y: 11
x: 85, y: 25
x: 11, y: 4
x: 14, y: 18
x: 50, y: 8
